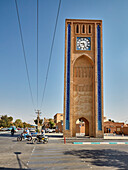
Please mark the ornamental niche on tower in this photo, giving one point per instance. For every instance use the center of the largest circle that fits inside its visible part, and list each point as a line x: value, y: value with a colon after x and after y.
x: 83, y: 77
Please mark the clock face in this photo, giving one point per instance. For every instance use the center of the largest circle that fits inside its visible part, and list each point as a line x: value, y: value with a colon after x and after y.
x: 83, y: 43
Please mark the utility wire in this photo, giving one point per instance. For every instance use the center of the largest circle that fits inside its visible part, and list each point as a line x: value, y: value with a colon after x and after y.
x: 22, y: 42
x: 37, y: 53
x: 50, y: 53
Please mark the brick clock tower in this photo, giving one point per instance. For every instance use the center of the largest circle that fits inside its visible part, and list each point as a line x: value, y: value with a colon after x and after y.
x: 83, y: 77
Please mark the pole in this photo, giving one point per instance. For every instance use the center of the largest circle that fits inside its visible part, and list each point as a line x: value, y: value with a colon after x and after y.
x: 38, y: 118
x: 64, y: 140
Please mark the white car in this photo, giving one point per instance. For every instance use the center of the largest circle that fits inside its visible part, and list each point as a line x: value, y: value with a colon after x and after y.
x: 4, y: 129
x: 16, y: 130
x: 32, y: 129
x: 50, y: 130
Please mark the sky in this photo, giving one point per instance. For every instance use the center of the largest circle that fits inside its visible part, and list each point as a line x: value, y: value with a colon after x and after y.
x: 15, y: 98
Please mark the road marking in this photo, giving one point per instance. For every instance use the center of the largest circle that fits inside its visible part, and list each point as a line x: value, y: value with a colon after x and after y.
x: 31, y: 155
x: 98, y: 143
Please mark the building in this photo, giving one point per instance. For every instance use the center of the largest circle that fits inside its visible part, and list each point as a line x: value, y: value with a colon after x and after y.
x: 111, y: 126
x: 105, y: 119
x: 58, y: 117
x: 58, y: 120
x: 83, y: 77
x: 59, y: 127
x: 80, y: 126
x: 118, y: 128
x: 46, y: 123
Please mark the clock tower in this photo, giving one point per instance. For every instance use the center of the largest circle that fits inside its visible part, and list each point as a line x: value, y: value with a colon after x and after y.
x: 83, y: 77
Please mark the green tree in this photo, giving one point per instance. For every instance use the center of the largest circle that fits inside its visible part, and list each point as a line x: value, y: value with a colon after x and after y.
x: 6, y: 121
x: 10, y: 118
x: 18, y: 123
x: 40, y: 121
x: 52, y: 124
x: 26, y: 125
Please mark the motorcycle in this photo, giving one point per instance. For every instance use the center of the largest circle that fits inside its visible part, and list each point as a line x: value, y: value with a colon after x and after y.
x: 26, y: 136
x: 40, y: 139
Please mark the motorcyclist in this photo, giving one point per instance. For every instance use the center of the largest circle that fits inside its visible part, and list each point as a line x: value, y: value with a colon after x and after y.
x: 27, y: 131
x: 26, y: 134
x: 12, y: 131
x: 43, y: 133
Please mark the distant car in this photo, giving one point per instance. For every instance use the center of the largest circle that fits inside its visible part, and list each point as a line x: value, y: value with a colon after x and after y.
x: 32, y: 129
x: 5, y: 129
x: 19, y: 128
x: 46, y: 130
x: 50, y: 130
x: 15, y: 130
x: 54, y: 130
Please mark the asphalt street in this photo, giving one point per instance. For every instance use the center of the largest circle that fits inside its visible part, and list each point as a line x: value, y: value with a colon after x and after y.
x: 57, y: 155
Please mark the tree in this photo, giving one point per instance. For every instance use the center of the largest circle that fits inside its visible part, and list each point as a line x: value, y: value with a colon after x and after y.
x: 18, y: 123
x: 52, y: 124
x: 10, y: 118
x: 26, y: 125
x: 40, y: 121
x: 6, y: 121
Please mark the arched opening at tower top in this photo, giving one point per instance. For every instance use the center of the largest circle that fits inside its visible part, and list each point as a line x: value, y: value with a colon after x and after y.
x: 82, y: 127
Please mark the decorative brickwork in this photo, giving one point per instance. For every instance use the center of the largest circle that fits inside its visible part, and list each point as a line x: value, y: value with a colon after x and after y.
x: 99, y: 78
x: 83, y: 79
x: 68, y: 79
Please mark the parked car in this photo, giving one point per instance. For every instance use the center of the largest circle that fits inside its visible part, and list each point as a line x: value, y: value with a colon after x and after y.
x: 19, y: 128
x: 32, y: 129
x: 50, y: 130
x: 4, y: 129
x: 54, y: 130
x: 46, y: 130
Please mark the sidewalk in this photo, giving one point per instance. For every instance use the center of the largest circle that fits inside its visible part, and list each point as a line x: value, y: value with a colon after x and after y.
x: 111, y: 136
x: 108, y: 139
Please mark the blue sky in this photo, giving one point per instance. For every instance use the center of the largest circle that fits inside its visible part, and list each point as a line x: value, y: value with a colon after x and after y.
x: 15, y: 97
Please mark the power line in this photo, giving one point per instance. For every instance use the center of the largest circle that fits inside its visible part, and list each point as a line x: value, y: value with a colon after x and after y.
x: 37, y: 53
x: 50, y: 53
x: 22, y: 42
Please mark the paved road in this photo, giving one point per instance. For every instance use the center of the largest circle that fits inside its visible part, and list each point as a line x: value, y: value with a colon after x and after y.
x: 13, y: 154
x: 70, y: 156
x: 56, y: 155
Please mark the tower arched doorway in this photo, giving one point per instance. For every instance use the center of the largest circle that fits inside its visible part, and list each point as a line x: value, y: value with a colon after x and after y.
x: 83, y: 92
x: 82, y: 127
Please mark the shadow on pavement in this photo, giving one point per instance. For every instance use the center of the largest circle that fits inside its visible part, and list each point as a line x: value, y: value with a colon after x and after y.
x: 12, y: 168
x: 104, y: 157
x: 9, y: 135
x: 20, y: 162
x: 54, y: 136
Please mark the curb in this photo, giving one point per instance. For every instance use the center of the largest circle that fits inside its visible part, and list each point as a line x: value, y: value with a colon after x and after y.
x: 98, y: 143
